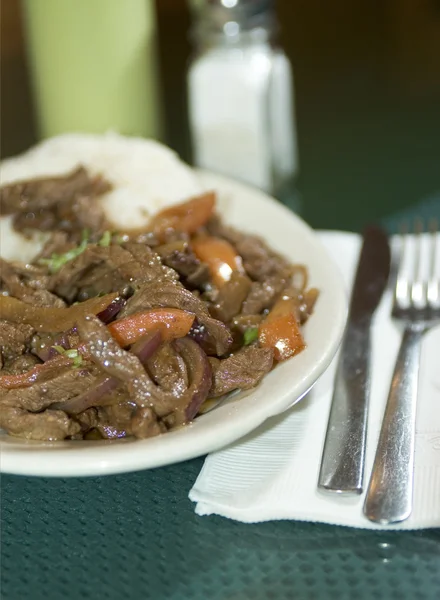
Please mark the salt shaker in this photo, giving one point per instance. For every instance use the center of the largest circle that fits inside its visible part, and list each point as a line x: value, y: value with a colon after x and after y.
x: 240, y: 96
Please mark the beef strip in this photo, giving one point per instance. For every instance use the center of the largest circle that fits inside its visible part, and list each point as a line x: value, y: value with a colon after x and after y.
x: 122, y: 365
x: 168, y: 369
x: 180, y: 257
x: 100, y: 270
x: 114, y: 421
x: 230, y: 297
x: 166, y: 294
x: 65, y: 203
x: 243, y: 370
x: 122, y: 420
x: 65, y: 383
x: 259, y: 260
x: 126, y: 367
x: 50, y: 425
x: 44, y: 192
x: 58, y: 243
x: 304, y: 300
x: 243, y: 322
x: 144, y: 423
x: 263, y: 294
x: 34, y: 292
x: 88, y: 419
x: 174, y: 295
x: 217, y: 228
x: 14, y: 337
x: 19, y: 365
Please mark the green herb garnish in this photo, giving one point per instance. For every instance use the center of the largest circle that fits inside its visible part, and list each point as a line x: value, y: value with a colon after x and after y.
x: 250, y: 335
x: 73, y: 354
x: 56, y: 261
x: 106, y: 239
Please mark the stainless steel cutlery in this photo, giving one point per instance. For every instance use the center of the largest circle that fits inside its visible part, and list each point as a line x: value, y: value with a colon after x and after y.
x: 416, y: 306
x: 343, y: 458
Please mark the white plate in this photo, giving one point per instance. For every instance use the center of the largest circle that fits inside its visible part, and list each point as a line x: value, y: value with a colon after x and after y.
x: 251, y: 211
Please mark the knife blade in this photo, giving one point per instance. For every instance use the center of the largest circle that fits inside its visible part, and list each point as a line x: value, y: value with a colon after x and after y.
x: 343, y: 457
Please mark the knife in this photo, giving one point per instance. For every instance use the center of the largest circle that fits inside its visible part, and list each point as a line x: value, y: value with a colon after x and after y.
x: 343, y: 458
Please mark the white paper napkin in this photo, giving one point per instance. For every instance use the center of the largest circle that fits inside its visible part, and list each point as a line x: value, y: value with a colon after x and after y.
x: 273, y: 472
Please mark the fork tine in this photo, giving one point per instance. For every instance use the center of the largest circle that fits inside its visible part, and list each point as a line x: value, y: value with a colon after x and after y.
x: 418, y: 287
x: 418, y: 230
x: 401, y: 291
x: 433, y: 291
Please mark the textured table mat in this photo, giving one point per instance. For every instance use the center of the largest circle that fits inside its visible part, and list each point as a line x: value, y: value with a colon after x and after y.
x: 136, y: 537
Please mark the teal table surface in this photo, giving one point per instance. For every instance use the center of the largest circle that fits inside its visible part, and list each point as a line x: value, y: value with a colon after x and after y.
x: 136, y: 536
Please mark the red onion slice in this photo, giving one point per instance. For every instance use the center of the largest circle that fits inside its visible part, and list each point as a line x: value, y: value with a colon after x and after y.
x: 147, y: 346
x: 109, y: 313
x: 91, y: 397
x: 46, y: 351
x: 200, y: 374
x: 212, y: 335
x: 144, y: 349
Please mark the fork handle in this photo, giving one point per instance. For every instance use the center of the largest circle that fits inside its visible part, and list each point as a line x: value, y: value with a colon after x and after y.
x: 390, y: 492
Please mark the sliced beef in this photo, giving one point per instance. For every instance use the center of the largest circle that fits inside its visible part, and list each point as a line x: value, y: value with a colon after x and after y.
x: 152, y: 266
x: 44, y: 192
x: 33, y: 291
x: 144, y: 423
x: 50, y: 425
x: 214, y: 334
x: 14, y: 337
x: 259, y: 260
x: 19, y: 365
x: 88, y: 419
x: 304, y: 300
x: 168, y: 369
x: 65, y: 383
x: 122, y: 420
x: 100, y: 270
x: 217, y: 228
x: 243, y: 370
x: 165, y: 294
x: 263, y: 294
x: 243, y: 322
x: 66, y: 203
x: 231, y: 297
x: 58, y: 243
x: 179, y: 256
x: 114, y: 421
x: 115, y: 361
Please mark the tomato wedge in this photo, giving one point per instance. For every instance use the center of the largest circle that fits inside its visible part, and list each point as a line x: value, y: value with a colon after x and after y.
x: 187, y: 217
x: 173, y: 323
x: 219, y: 255
x: 280, y: 331
x: 37, y: 373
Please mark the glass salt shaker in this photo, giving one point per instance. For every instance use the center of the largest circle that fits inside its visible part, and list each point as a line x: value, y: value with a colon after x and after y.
x: 240, y: 97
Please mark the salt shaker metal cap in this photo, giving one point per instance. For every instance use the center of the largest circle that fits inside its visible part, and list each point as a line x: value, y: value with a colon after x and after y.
x: 248, y: 14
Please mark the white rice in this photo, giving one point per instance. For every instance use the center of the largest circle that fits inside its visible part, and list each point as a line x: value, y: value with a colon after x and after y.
x: 146, y: 176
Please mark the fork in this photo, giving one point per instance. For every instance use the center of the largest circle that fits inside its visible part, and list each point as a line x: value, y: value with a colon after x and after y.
x: 416, y: 305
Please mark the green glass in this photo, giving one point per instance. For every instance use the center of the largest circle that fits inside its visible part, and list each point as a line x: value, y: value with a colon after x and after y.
x: 94, y: 65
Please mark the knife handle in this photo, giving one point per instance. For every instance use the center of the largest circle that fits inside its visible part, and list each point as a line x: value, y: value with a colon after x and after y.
x: 343, y: 458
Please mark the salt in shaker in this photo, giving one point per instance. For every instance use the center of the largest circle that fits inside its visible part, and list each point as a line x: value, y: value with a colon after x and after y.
x: 240, y: 97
